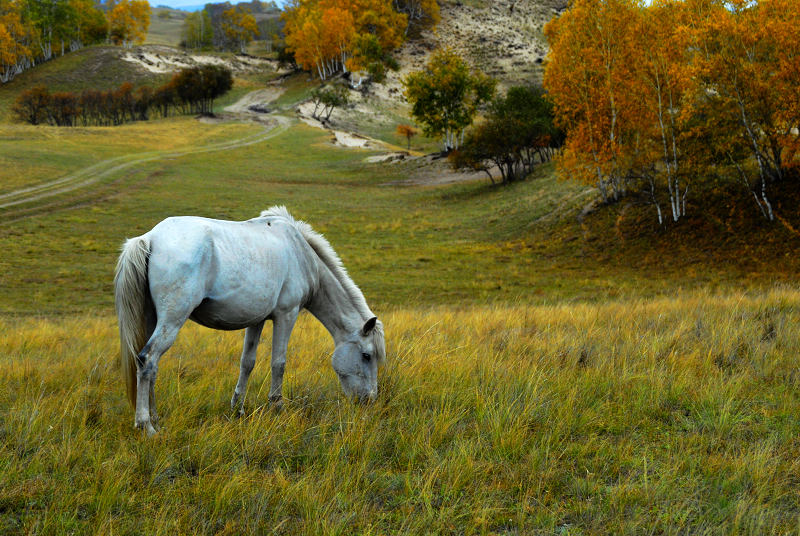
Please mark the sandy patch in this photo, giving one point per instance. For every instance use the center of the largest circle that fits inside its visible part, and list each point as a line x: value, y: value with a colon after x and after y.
x: 163, y: 59
x: 387, y: 158
x: 340, y: 137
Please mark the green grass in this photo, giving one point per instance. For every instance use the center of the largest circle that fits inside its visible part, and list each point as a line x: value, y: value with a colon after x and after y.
x: 463, y: 244
x: 670, y: 416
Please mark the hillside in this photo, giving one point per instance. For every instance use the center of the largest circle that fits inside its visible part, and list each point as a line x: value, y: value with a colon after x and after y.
x: 166, y: 25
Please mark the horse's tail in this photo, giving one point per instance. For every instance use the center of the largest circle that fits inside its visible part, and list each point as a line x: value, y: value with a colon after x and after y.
x: 133, y: 303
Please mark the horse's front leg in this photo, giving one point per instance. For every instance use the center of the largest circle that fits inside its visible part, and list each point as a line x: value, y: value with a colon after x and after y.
x: 251, y: 337
x: 152, y: 400
x: 282, y: 325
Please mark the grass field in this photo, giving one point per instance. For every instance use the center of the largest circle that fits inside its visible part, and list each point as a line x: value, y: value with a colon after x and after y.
x: 666, y: 416
x: 546, y: 374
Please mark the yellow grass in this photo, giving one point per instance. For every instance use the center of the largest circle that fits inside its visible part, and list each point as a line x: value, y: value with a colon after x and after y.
x: 670, y: 415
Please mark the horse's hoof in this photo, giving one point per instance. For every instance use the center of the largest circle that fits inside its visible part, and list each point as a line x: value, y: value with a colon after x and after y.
x: 235, y: 399
x: 147, y: 427
x: 276, y: 402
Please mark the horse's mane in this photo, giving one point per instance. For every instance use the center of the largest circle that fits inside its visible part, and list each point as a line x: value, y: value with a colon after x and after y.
x: 326, y: 253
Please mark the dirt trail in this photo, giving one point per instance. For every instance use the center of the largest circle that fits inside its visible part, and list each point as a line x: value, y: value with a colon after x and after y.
x: 103, y: 170
x: 275, y: 125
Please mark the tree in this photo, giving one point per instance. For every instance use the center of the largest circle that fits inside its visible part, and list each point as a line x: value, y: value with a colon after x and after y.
x: 31, y: 105
x: 15, y: 40
x: 239, y: 26
x: 747, y: 70
x: 518, y: 129
x: 587, y: 76
x: 408, y: 132
x: 422, y: 14
x: 197, y: 31
x: 128, y: 21
x: 445, y: 96
x: 327, y: 99
x: 197, y: 87
x: 328, y: 36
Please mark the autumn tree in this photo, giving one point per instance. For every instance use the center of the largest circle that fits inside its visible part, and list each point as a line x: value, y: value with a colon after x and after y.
x: 329, y: 36
x: 239, y: 26
x: 408, y: 132
x: 31, y: 105
x: 421, y: 14
x: 128, y: 21
x: 746, y: 68
x: 16, y: 39
x: 446, y: 95
x: 657, y: 97
x: 587, y: 76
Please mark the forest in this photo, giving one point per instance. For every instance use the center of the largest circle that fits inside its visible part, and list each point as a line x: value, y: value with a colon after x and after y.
x: 677, y: 98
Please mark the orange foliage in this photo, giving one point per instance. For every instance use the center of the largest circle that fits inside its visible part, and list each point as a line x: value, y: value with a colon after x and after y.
x: 129, y: 21
x: 324, y: 34
x: 652, y: 95
x: 240, y: 26
x: 408, y: 132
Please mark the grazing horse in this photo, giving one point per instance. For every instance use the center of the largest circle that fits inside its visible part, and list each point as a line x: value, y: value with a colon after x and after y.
x: 236, y: 275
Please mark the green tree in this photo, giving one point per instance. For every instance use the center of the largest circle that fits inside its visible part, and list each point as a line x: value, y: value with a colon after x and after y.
x: 517, y: 133
x: 327, y: 99
x: 446, y: 95
x: 197, y: 32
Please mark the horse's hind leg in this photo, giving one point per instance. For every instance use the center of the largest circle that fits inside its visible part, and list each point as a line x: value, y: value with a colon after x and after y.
x: 147, y: 370
x: 251, y: 337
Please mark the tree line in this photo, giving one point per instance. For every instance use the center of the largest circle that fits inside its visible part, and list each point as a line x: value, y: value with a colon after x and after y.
x: 224, y: 26
x: 327, y: 37
x: 190, y: 91
x: 669, y: 99
x: 33, y: 31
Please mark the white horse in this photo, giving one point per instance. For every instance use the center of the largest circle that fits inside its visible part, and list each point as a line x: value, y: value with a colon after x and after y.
x: 236, y: 275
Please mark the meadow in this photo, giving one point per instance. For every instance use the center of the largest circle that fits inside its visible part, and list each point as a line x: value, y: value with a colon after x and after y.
x: 546, y: 374
x: 666, y: 416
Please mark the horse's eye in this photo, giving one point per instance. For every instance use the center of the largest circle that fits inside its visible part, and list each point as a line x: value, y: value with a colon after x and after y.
x: 366, y: 357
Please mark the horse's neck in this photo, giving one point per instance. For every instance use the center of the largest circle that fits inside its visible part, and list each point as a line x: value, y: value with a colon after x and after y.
x: 333, y: 307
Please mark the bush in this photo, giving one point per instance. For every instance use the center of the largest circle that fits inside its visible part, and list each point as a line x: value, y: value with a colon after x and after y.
x: 195, y: 88
x: 326, y: 99
x: 32, y: 105
x: 518, y: 130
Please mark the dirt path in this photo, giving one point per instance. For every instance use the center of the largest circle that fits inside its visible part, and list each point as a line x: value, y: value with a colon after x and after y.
x: 260, y: 98
x: 103, y: 170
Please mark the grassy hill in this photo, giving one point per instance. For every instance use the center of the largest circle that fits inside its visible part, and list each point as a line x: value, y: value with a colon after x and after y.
x: 97, y: 67
x: 166, y: 25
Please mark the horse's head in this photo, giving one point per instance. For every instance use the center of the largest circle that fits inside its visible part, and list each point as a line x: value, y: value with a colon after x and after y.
x: 356, y: 360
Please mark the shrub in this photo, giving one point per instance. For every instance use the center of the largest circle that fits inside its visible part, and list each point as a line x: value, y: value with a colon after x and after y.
x: 32, y: 105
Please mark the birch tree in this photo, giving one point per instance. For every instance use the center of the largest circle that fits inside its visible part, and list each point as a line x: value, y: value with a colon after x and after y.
x: 446, y: 95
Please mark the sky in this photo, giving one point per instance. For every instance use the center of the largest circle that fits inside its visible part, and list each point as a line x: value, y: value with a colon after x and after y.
x: 181, y: 4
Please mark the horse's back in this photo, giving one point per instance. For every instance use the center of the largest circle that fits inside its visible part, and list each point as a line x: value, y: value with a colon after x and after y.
x: 229, y: 274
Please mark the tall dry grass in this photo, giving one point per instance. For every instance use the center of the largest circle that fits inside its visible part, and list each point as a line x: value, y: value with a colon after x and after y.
x: 674, y: 415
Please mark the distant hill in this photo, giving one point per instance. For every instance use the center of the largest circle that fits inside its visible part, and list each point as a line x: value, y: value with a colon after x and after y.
x: 166, y: 24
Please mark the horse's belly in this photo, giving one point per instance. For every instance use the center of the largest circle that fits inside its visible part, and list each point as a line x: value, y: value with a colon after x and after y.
x: 218, y: 315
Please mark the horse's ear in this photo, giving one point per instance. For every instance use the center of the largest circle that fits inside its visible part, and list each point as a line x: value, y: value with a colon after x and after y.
x: 369, y: 325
